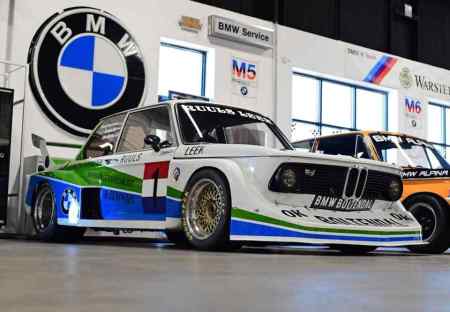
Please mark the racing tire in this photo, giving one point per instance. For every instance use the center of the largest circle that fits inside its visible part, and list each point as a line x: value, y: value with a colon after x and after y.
x: 206, y: 211
x: 434, y: 218
x: 354, y: 249
x: 43, y: 215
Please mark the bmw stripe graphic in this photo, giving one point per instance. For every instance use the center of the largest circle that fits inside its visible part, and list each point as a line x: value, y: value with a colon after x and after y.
x: 85, y: 65
x: 381, y: 69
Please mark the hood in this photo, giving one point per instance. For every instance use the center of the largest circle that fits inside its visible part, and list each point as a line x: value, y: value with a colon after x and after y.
x: 250, y: 151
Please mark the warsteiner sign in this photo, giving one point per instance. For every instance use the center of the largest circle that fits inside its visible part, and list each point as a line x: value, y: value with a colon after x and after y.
x: 85, y: 65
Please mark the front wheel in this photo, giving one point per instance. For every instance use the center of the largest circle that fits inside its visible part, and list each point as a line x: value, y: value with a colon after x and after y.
x: 206, y: 211
x: 43, y: 215
x: 433, y: 216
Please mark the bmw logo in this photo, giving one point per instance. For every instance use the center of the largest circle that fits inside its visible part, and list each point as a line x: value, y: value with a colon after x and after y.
x: 68, y: 199
x: 244, y: 91
x: 85, y: 65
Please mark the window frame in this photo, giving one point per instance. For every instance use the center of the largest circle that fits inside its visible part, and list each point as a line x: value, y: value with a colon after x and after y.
x: 172, y: 126
x: 444, y: 108
x: 320, y: 124
x: 204, y: 55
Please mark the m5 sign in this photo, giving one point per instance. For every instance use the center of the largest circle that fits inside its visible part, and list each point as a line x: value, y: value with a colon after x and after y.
x: 243, y: 70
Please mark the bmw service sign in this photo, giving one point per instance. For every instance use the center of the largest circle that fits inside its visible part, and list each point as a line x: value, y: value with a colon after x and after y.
x: 225, y: 28
x: 84, y: 65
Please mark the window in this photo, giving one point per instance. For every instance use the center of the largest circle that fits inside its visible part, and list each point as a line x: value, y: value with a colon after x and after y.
x: 181, y: 69
x: 103, y: 141
x: 140, y: 124
x: 323, y: 106
x: 348, y: 145
x: 438, y: 134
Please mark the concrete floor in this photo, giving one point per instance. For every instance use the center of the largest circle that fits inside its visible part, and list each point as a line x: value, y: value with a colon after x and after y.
x: 103, y: 274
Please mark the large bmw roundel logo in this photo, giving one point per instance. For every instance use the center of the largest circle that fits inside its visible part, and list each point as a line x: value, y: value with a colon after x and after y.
x: 85, y: 65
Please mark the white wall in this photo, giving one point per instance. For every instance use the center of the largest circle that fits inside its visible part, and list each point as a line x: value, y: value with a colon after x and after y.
x: 330, y: 58
x: 4, y: 7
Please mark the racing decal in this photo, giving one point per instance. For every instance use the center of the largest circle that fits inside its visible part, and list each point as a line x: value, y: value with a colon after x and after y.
x: 337, y: 203
x: 248, y: 224
x: 225, y: 110
x: 85, y: 65
x: 173, y: 202
x: 400, y: 139
x: 417, y: 173
x: 194, y: 150
x: 68, y: 198
x: 154, y: 187
x: 380, y: 69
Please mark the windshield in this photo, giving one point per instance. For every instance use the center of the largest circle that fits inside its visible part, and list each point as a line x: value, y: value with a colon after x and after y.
x: 208, y: 123
x: 408, y: 152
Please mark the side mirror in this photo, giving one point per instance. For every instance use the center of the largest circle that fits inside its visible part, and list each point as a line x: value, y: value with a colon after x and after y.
x: 154, y: 141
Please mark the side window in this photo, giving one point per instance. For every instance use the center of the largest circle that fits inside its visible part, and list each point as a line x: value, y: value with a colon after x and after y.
x: 143, y: 123
x: 103, y: 141
x: 304, y: 145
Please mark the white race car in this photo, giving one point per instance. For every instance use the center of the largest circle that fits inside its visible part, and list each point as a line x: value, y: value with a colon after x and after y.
x: 217, y: 176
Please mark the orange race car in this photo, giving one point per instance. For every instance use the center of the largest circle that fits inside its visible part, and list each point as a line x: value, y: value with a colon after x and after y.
x: 426, y: 176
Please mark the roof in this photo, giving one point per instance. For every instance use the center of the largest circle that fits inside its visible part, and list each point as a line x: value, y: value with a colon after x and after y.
x: 364, y: 133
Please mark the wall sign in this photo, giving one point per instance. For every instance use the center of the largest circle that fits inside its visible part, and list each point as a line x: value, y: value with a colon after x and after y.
x: 85, y: 65
x: 225, y: 28
x: 244, y: 77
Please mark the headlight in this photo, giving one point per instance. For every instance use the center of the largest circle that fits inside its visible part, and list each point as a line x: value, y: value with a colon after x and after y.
x: 395, y: 190
x: 288, y: 178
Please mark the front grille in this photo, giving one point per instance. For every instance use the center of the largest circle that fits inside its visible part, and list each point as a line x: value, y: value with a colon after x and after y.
x: 336, y: 181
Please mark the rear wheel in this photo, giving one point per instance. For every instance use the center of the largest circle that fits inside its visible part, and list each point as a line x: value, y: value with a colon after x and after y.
x: 206, y: 211
x: 354, y: 249
x: 44, y: 218
x: 433, y: 216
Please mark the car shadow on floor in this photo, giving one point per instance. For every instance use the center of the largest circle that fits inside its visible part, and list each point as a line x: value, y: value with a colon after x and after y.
x: 318, y: 250
x: 253, y: 249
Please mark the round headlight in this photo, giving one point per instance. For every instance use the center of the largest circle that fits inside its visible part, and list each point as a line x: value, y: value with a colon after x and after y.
x: 395, y: 189
x: 288, y: 178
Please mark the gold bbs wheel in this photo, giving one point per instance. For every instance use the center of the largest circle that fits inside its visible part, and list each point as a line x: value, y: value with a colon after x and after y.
x: 205, y: 208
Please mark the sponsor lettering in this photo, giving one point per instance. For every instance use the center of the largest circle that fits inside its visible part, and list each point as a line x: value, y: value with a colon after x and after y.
x: 293, y: 213
x: 228, y: 111
x: 425, y: 173
x: 400, y: 139
x: 424, y: 83
x: 118, y: 196
x: 337, y: 203
x: 359, y: 221
x: 194, y: 150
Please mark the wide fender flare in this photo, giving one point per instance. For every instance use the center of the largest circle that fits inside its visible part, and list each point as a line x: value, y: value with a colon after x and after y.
x: 233, y: 173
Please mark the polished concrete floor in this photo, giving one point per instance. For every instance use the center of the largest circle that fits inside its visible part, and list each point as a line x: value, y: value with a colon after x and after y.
x: 103, y: 274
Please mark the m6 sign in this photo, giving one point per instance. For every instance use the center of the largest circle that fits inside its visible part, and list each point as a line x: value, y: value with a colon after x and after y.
x: 412, y: 105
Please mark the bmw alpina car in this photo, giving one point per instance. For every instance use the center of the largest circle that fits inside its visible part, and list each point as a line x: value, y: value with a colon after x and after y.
x: 217, y: 176
x: 426, y: 178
